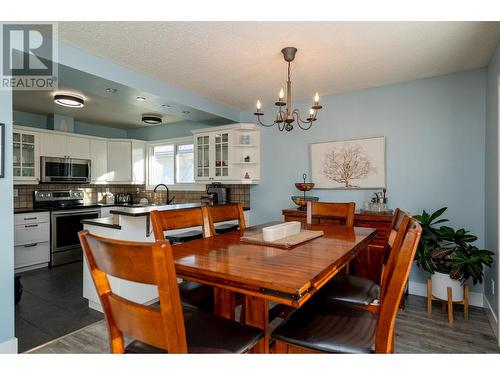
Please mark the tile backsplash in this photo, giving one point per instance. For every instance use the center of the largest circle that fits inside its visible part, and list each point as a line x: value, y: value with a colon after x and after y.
x: 96, y: 193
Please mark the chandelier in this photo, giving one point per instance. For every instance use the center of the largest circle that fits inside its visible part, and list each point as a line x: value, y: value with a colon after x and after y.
x: 285, y: 115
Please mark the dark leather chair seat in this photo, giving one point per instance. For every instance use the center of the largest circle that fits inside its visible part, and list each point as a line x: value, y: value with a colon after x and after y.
x: 224, y: 228
x: 351, y: 289
x: 329, y: 327
x: 207, y: 333
x: 197, y: 295
x: 184, y: 237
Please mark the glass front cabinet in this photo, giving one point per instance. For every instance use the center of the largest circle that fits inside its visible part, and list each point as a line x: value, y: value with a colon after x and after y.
x: 26, y: 156
x: 228, y: 154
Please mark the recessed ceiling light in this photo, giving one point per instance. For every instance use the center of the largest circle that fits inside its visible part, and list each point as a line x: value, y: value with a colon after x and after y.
x: 186, y: 112
x: 140, y: 98
x: 151, y: 119
x: 166, y: 105
x: 69, y: 100
x: 111, y: 90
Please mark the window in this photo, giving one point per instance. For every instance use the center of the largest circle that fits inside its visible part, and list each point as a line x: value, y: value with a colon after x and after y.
x: 171, y: 163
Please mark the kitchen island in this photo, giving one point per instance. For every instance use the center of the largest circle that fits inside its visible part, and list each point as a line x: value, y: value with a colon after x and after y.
x: 130, y: 224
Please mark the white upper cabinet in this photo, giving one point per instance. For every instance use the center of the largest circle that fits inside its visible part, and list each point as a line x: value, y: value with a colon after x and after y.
x: 26, y: 156
x: 119, y: 161
x: 99, y: 160
x: 64, y: 146
x: 78, y: 147
x: 138, y: 162
x: 228, y: 154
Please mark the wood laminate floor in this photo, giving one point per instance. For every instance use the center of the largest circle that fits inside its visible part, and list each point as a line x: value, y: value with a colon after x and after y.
x: 416, y: 332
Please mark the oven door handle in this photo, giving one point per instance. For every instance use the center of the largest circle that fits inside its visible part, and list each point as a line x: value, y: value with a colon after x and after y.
x: 72, y: 213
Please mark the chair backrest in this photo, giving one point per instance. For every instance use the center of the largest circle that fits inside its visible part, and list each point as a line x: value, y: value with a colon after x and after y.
x: 331, y: 213
x: 397, y: 278
x: 226, y: 212
x: 148, y: 263
x: 399, y: 225
x: 179, y: 219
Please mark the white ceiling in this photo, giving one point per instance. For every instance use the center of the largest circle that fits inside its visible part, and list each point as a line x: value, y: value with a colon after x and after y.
x: 238, y: 62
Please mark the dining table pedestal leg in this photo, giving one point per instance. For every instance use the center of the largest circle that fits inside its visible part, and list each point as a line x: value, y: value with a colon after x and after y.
x: 257, y: 315
x: 224, y: 304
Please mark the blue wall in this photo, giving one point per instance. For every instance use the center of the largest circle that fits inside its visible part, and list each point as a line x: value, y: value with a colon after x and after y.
x: 435, y: 137
x: 40, y: 121
x: 491, y: 192
x: 6, y: 227
x: 179, y: 129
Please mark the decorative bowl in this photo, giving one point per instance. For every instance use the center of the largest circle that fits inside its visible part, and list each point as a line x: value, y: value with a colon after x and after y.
x: 304, y: 186
x: 302, y: 201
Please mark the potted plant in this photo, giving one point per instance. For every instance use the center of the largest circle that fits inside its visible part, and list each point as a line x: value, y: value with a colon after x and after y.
x: 449, y: 255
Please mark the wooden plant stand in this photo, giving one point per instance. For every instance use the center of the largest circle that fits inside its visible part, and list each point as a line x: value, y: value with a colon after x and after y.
x: 448, y: 303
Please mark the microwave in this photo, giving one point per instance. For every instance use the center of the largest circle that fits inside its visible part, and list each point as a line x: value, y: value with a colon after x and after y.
x: 64, y: 170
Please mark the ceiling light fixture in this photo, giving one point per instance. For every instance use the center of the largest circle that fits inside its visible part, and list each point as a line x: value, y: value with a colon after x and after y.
x: 286, y: 116
x: 111, y: 90
x: 151, y: 119
x: 140, y: 98
x: 186, y: 112
x: 69, y: 100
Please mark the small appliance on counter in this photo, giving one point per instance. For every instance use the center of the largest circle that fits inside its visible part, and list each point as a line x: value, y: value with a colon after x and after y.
x: 301, y: 200
x: 217, y: 192
x: 123, y: 198
x: 110, y: 198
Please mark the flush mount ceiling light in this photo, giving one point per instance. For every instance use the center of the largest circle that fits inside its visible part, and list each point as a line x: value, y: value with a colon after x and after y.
x: 186, y: 112
x: 140, y: 98
x: 286, y: 116
x: 69, y: 100
x: 111, y: 90
x: 151, y: 119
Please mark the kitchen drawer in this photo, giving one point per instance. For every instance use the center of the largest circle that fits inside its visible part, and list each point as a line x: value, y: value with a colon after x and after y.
x: 31, y: 254
x: 31, y: 233
x: 32, y: 217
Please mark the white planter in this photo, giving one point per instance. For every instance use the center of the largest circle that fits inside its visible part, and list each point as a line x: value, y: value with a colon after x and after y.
x: 440, y: 284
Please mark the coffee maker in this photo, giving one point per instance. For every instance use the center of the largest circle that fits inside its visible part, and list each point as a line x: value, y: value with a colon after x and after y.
x: 217, y: 192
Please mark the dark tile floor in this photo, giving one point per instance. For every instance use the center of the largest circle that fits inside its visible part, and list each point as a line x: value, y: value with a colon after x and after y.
x: 52, y: 305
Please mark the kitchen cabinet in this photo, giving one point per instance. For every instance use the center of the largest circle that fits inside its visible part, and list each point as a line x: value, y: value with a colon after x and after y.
x: 64, y: 146
x: 228, y: 154
x: 138, y: 162
x: 119, y: 161
x: 31, y: 240
x: 99, y: 160
x: 26, y: 156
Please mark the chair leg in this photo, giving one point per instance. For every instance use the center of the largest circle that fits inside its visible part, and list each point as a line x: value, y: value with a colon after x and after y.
x: 450, y: 306
x: 280, y: 347
x: 466, y: 302
x: 429, y: 296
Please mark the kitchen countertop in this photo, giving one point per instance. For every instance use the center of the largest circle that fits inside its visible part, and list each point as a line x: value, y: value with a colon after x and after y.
x: 145, y: 211
x: 92, y: 205
x: 107, y: 222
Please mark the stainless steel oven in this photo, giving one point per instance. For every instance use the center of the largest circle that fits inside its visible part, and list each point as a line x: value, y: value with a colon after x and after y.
x: 64, y: 170
x: 65, y: 227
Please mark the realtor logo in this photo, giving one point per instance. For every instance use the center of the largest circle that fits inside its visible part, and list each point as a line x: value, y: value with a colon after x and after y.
x: 28, y: 56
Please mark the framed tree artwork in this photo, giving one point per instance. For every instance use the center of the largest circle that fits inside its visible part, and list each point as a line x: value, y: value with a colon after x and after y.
x: 2, y: 150
x: 350, y: 164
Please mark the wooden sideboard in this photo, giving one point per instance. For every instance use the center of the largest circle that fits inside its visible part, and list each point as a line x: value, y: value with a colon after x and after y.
x: 369, y: 262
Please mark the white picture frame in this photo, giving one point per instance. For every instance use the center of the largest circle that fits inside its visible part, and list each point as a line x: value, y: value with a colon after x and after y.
x: 348, y: 164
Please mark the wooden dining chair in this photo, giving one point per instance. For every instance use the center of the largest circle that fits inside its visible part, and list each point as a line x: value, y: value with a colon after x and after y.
x: 331, y: 213
x: 329, y: 327
x: 156, y: 329
x: 226, y: 212
x: 361, y: 291
x: 195, y: 294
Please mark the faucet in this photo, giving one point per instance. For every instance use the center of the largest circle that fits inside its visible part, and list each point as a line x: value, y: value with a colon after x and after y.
x: 169, y: 200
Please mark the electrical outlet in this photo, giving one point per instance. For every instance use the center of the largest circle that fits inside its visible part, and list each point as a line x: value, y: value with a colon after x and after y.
x: 493, y: 287
x: 16, y: 193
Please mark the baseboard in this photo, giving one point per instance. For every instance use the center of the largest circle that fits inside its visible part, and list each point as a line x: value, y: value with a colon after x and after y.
x: 420, y: 289
x: 9, y: 347
x: 492, y: 318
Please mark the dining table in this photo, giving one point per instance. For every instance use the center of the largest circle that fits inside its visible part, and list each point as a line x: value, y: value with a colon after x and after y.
x: 263, y: 273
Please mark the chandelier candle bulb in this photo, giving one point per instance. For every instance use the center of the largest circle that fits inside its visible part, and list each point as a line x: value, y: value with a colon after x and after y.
x: 316, y: 98
x: 282, y: 94
x: 259, y: 105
